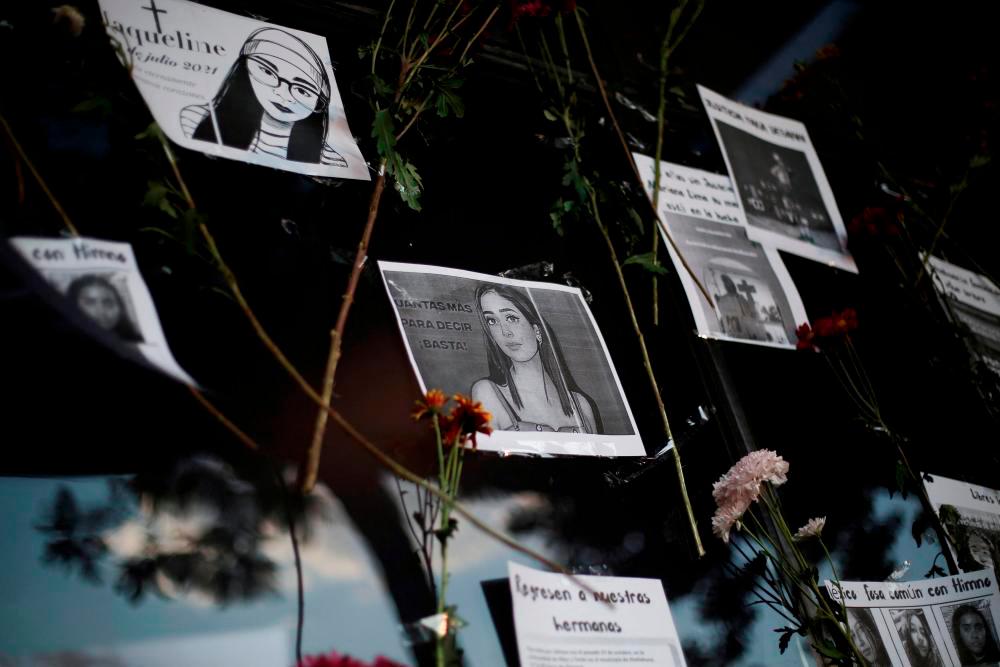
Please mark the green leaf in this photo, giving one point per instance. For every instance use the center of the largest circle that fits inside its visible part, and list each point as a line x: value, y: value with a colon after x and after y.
x: 97, y: 103
x: 647, y: 262
x: 637, y: 219
x: 785, y: 638
x: 152, y: 131
x: 190, y: 222
x: 979, y: 160
x: 408, y: 182
x: 384, y: 132
x: 158, y: 196
x: 830, y: 651
x: 381, y: 87
x: 549, y: 115
x: 449, y: 101
x: 168, y: 208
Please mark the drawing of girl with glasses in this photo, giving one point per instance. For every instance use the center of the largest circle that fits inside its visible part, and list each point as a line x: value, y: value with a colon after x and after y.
x: 274, y: 101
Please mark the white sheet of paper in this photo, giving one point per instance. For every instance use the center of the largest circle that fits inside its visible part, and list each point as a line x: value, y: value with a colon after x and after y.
x: 103, y: 279
x: 559, y: 623
x: 781, y: 187
x: 755, y: 299
x: 907, y: 624
x: 979, y: 511
x: 267, y: 90
x: 974, y: 304
x: 447, y: 341
x: 966, y: 286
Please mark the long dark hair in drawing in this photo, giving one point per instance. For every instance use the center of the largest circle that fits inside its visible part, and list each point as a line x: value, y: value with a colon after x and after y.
x: 573, y: 401
x: 100, y: 301
x: 273, y: 101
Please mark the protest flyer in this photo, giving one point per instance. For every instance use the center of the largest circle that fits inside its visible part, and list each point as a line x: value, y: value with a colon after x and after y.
x: 974, y: 302
x: 753, y: 298
x: 943, y: 621
x: 976, y: 511
x: 780, y: 184
x: 531, y: 352
x: 102, y: 280
x: 235, y: 87
x: 620, y: 620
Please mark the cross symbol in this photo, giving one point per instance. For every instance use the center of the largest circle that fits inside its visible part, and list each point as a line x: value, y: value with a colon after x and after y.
x: 745, y: 287
x: 156, y: 13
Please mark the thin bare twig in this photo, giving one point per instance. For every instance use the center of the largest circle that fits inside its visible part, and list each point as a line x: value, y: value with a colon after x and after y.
x: 38, y: 177
x: 650, y: 374
x: 310, y: 468
x: 628, y: 154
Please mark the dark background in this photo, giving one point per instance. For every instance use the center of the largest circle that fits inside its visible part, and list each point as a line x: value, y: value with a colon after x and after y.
x: 922, y: 79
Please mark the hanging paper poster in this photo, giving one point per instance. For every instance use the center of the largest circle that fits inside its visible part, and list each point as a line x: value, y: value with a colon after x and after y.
x: 974, y: 302
x: 620, y: 620
x: 945, y: 622
x: 529, y: 351
x: 754, y: 298
x: 779, y: 181
x: 976, y: 511
x: 102, y: 280
x: 236, y: 87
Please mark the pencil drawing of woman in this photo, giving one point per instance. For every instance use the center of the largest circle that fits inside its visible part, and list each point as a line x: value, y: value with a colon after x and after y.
x: 529, y: 387
x: 273, y: 102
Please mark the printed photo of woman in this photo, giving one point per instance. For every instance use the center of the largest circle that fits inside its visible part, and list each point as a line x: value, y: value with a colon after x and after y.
x: 274, y: 101
x: 866, y: 637
x: 974, y: 637
x: 918, y: 643
x: 529, y: 387
x: 98, y: 298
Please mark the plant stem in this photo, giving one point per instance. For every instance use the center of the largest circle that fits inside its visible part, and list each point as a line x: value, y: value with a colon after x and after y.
x: 38, y: 177
x: 649, y: 373
x: 310, y: 468
x: 249, y: 442
x: 445, y: 31
x: 628, y: 154
x: 478, y: 34
x: 381, y: 34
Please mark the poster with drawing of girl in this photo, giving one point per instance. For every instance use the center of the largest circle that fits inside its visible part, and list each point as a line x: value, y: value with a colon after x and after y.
x: 236, y: 87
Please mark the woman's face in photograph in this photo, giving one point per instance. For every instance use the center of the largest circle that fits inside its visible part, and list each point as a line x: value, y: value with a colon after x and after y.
x: 508, y: 326
x: 283, y: 90
x: 972, y: 630
x: 918, y: 637
x: 979, y: 548
x: 863, y: 639
x: 101, y: 304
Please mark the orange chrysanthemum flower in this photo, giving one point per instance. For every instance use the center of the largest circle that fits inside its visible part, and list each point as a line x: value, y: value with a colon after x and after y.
x: 432, y: 404
x: 467, y: 419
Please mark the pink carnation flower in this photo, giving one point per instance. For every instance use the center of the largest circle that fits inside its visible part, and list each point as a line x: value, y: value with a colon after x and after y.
x: 813, y: 528
x: 740, y: 487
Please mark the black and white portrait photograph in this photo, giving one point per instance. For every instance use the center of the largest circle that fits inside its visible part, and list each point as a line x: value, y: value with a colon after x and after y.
x: 867, y: 638
x: 103, y: 297
x: 919, y: 645
x: 755, y: 301
x: 530, y: 352
x: 236, y: 87
x: 979, y: 546
x: 973, y: 632
x: 101, y: 280
x: 779, y: 181
x: 976, y: 511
